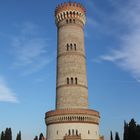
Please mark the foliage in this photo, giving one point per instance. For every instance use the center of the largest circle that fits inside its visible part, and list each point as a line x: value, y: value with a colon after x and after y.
x: 111, y: 136
x: 7, y: 135
x: 131, y: 130
x: 36, y: 138
x: 41, y: 136
x: 18, y: 136
x: 117, y: 136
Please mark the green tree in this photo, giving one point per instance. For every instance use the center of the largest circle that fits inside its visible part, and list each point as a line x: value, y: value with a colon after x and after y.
x: 132, y: 130
x: 138, y: 132
x: 126, y: 128
x: 2, y: 136
x: 111, y: 136
x: 41, y: 136
x: 18, y: 136
x: 117, y: 136
x: 8, y: 134
x: 36, y: 138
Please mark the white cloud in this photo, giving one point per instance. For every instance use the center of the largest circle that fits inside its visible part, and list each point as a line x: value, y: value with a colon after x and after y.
x: 127, y: 56
x: 6, y: 94
x: 30, y: 50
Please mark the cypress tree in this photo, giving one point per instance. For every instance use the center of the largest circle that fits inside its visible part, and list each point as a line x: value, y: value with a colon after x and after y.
x: 111, y: 136
x: 138, y: 132
x: 132, y: 130
x: 2, y: 136
x: 125, y: 134
x: 36, y: 138
x: 18, y: 136
x: 8, y: 134
x: 117, y: 136
x: 41, y: 136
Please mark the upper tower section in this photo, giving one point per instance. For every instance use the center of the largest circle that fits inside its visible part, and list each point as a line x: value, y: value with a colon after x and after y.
x: 70, y: 12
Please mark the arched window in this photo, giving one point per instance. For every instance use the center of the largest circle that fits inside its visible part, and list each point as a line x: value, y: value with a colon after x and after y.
x: 72, y: 131
x: 76, y: 132
x: 70, y: 13
x: 75, y: 47
x: 76, y: 82
x: 64, y: 14
x: 88, y: 132
x: 67, y: 13
x: 70, y: 21
x: 69, y: 132
x: 79, y: 118
x: 67, y: 47
x: 71, y: 46
x: 71, y: 80
x: 68, y: 81
x: 61, y: 16
x: 73, y: 20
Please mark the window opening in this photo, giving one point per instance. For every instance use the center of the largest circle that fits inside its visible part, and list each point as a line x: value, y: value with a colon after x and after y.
x: 71, y: 80
x: 88, y: 132
x: 67, y: 47
x: 67, y: 80
x: 76, y: 80
x: 75, y: 47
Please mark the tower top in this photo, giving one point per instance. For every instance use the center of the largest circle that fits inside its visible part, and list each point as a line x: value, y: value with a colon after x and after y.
x: 70, y: 10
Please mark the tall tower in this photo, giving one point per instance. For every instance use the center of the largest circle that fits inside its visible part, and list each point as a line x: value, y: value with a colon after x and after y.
x: 72, y: 119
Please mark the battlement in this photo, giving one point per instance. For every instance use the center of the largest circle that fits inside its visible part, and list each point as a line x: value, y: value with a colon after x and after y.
x: 70, y: 10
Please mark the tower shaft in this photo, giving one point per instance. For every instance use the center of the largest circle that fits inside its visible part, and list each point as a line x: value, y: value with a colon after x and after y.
x: 72, y: 90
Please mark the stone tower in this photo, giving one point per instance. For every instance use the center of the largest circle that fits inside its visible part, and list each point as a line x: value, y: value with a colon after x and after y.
x: 72, y: 119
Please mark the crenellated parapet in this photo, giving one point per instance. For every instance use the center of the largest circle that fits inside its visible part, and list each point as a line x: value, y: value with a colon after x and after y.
x: 70, y: 12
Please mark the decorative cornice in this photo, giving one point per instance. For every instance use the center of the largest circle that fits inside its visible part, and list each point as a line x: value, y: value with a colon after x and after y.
x: 72, y: 111
x: 72, y: 85
x: 58, y: 122
x: 72, y: 116
x: 70, y: 10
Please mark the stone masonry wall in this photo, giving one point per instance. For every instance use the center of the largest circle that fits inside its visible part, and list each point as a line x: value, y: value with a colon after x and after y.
x: 72, y: 91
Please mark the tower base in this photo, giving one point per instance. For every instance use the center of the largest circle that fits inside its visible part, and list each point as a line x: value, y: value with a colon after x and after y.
x: 72, y: 124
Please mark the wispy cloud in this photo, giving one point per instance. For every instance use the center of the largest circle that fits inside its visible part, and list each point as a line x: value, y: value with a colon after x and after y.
x: 6, y: 94
x: 127, y: 55
x: 30, y: 49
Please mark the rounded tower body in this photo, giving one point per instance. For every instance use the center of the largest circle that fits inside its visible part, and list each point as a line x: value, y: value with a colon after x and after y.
x: 72, y: 90
x: 72, y: 119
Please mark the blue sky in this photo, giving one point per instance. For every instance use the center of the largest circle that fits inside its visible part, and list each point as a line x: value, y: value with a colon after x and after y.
x: 28, y: 62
